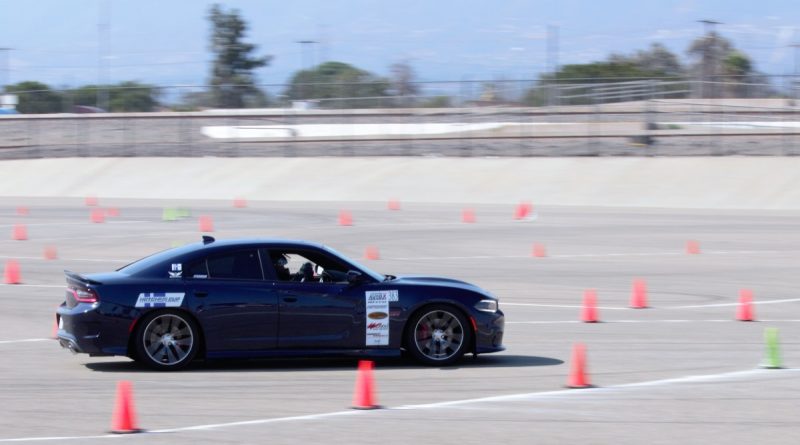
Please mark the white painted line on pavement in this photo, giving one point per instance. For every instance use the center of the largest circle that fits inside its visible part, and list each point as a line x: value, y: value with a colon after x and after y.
x: 25, y: 340
x: 697, y: 306
x: 652, y: 321
x: 504, y: 398
x: 786, y: 300
x: 32, y: 285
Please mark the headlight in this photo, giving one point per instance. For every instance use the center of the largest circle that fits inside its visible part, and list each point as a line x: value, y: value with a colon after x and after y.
x: 487, y: 306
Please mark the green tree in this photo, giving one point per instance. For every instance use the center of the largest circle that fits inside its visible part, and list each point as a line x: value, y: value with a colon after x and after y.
x: 123, y: 97
x: 35, y: 98
x: 232, y: 80
x: 657, y: 62
x: 337, y: 80
x: 715, y: 59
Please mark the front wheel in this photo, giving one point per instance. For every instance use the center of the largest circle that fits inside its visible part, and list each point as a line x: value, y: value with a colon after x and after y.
x: 438, y: 335
x: 166, y: 340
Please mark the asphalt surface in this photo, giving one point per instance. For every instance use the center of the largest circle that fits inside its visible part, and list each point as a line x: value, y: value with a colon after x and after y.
x: 682, y: 371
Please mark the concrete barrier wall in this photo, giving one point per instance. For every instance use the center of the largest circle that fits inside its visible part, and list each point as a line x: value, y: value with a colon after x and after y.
x: 690, y: 182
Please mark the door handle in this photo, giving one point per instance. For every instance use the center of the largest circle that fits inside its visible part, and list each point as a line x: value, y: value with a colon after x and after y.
x: 290, y: 299
x: 200, y: 293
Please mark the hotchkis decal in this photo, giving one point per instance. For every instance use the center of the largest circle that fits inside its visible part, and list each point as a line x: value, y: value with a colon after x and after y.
x: 378, y: 316
x: 177, y: 270
x: 160, y: 299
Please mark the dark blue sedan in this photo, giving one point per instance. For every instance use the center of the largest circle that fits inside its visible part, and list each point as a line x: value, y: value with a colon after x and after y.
x: 261, y: 298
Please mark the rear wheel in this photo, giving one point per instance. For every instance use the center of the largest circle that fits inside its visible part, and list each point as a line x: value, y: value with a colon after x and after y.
x: 166, y: 340
x: 438, y: 335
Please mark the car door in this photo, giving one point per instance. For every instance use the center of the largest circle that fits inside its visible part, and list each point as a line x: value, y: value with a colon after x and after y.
x: 316, y: 315
x: 236, y: 306
x: 317, y: 310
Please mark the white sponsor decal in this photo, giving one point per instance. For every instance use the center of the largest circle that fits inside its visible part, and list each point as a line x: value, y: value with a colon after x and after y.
x: 378, y: 316
x: 160, y: 299
x: 177, y: 270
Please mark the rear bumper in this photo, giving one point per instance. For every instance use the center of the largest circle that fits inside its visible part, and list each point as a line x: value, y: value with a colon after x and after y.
x: 85, y: 330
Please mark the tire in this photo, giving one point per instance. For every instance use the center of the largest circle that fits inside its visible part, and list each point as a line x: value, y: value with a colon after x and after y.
x: 438, y: 335
x: 167, y: 340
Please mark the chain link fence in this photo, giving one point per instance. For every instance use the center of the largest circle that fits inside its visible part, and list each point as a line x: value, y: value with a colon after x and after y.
x: 578, y: 117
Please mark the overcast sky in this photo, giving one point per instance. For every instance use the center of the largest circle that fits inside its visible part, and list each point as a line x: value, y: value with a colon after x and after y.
x: 165, y: 42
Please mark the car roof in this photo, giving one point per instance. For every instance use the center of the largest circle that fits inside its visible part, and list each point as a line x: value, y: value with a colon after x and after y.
x: 209, y: 245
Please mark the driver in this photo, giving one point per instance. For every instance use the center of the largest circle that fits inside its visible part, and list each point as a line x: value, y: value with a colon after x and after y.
x: 281, y: 270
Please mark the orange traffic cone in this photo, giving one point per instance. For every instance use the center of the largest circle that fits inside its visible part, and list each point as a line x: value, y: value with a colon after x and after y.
x: 345, y: 218
x: 206, y: 223
x: 393, y: 204
x: 468, y: 216
x: 20, y: 232
x: 578, y: 377
x: 523, y: 210
x: 50, y: 253
x: 371, y: 253
x: 539, y: 250
x: 364, y: 394
x: 589, y: 312
x: 692, y: 247
x: 123, y: 420
x: 11, y: 274
x: 240, y: 203
x: 97, y: 216
x: 745, y: 311
x: 639, y: 294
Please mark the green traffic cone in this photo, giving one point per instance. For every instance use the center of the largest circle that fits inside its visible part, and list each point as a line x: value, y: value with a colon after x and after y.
x: 773, y: 357
x: 169, y: 214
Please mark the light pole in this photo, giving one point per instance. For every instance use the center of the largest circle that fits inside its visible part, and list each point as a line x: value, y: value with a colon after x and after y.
x: 4, y: 79
x: 795, y: 83
x: 304, y: 46
x: 709, y: 56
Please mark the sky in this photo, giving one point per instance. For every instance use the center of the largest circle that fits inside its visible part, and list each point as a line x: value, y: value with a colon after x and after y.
x: 165, y: 42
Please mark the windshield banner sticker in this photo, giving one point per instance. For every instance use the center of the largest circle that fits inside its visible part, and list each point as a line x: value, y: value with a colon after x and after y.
x: 160, y: 299
x: 378, y: 316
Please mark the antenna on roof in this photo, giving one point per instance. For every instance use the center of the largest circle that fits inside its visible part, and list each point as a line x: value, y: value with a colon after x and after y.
x: 208, y: 239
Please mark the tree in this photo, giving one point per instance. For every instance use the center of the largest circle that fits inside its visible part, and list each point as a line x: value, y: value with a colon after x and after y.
x: 402, y: 83
x: 658, y: 59
x: 337, y: 80
x: 232, y: 81
x: 123, y: 97
x: 35, y: 98
x: 715, y: 59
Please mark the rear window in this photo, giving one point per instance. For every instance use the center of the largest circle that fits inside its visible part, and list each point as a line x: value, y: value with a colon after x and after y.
x: 238, y: 265
x: 163, y: 257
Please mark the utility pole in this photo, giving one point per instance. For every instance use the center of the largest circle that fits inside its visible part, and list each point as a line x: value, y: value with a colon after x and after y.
x: 304, y: 60
x: 5, y: 78
x: 552, y: 62
x: 708, y: 64
x: 103, y: 31
x: 795, y: 82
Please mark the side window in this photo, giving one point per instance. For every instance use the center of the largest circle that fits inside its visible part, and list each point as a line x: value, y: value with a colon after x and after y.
x: 240, y: 265
x: 306, y: 266
x: 197, y: 270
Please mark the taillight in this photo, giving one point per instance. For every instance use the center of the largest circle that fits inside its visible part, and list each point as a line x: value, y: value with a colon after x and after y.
x: 83, y: 295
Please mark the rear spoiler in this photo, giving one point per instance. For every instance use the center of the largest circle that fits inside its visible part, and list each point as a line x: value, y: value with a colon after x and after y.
x: 79, y: 278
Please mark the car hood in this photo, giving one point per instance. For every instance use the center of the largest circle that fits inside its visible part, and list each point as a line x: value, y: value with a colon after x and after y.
x: 437, y: 281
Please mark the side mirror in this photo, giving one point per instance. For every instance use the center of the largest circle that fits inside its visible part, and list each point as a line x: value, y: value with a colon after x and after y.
x: 354, y: 277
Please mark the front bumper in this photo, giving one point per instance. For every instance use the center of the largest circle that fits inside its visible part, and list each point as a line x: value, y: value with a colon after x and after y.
x: 489, y: 332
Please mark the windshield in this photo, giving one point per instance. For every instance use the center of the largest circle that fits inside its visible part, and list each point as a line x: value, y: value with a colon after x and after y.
x: 374, y: 275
